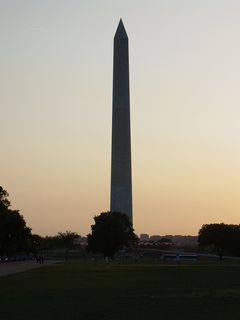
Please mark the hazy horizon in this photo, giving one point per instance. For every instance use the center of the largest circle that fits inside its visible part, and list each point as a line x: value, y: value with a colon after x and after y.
x: 56, y: 104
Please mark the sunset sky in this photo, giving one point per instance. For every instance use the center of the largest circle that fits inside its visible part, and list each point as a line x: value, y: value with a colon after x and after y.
x: 56, y: 94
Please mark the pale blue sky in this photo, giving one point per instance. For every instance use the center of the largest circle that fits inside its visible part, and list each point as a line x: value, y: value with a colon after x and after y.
x: 56, y: 86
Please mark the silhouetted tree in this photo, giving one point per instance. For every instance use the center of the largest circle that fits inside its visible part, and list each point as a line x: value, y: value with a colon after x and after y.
x: 51, y: 243
x: 68, y: 240
x: 111, y: 232
x: 13, y: 229
x: 225, y: 238
x: 4, y: 202
x: 34, y: 244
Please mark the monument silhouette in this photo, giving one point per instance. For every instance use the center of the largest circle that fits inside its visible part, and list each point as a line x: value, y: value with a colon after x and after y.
x: 121, y: 175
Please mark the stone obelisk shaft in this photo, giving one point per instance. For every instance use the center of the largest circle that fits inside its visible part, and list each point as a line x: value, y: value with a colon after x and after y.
x: 121, y: 176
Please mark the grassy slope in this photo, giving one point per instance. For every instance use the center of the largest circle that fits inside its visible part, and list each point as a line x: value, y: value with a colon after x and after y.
x: 123, y: 290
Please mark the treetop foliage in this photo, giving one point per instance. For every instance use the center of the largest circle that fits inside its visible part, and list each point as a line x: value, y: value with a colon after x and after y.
x: 4, y: 202
x: 13, y: 229
x: 225, y: 238
x: 110, y: 233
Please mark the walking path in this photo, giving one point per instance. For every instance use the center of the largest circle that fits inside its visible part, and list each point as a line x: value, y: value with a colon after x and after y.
x: 21, y: 266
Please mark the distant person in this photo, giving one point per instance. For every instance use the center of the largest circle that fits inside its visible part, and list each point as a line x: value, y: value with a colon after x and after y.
x: 178, y: 259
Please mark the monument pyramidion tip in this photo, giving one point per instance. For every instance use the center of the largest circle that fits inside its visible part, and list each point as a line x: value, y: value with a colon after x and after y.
x: 121, y: 32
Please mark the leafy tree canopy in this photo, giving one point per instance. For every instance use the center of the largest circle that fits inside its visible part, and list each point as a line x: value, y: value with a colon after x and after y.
x: 4, y: 202
x: 13, y: 229
x: 68, y: 240
x: 111, y: 232
x: 225, y: 238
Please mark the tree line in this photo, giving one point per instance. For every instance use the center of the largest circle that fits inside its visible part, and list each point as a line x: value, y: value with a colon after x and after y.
x: 17, y: 238
x: 111, y: 232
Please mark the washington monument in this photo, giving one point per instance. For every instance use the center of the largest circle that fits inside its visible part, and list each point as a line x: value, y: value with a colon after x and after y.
x: 121, y: 175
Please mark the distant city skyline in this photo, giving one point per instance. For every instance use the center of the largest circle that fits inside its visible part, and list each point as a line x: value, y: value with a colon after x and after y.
x: 56, y: 91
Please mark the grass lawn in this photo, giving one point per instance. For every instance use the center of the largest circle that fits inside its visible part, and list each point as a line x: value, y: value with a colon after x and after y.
x: 148, y: 290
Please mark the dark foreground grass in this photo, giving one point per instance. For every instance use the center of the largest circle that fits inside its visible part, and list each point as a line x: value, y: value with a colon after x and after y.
x: 123, y: 290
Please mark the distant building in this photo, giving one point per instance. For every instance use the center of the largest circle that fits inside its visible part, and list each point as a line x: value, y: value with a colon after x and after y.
x: 155, y: 238
x: 174, y: 240
x: 144, y: 237
x: 185, y: 240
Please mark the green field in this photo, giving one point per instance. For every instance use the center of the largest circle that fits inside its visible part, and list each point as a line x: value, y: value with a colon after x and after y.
x: 123, y: 290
